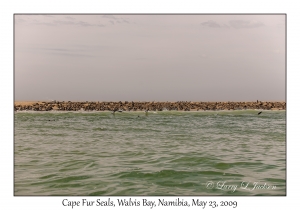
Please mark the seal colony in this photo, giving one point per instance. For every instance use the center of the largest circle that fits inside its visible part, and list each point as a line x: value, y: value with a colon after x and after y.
x: 146, y: 106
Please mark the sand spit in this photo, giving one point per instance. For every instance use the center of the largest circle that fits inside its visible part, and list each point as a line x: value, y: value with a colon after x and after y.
x: 143, y: 106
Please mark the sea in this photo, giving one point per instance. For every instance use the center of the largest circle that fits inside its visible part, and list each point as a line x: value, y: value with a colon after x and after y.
x: 163, y: 153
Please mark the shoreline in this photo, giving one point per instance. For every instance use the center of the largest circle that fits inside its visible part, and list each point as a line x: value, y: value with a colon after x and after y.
x: 145, y: 106
x: 150, y: 112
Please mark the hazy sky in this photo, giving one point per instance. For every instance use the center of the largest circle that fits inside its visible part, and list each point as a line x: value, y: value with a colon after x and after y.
x: 150, y: 57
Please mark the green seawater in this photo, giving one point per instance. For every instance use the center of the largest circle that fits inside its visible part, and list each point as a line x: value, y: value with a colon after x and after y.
x: 161, y: 153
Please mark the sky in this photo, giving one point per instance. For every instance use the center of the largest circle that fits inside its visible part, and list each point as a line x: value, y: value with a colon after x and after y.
x: 108, y: 57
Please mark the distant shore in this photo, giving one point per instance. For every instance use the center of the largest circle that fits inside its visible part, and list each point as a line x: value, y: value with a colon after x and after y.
x: 144, y: 106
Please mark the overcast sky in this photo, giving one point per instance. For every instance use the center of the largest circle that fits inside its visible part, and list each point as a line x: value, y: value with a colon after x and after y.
x: 150, y: 57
